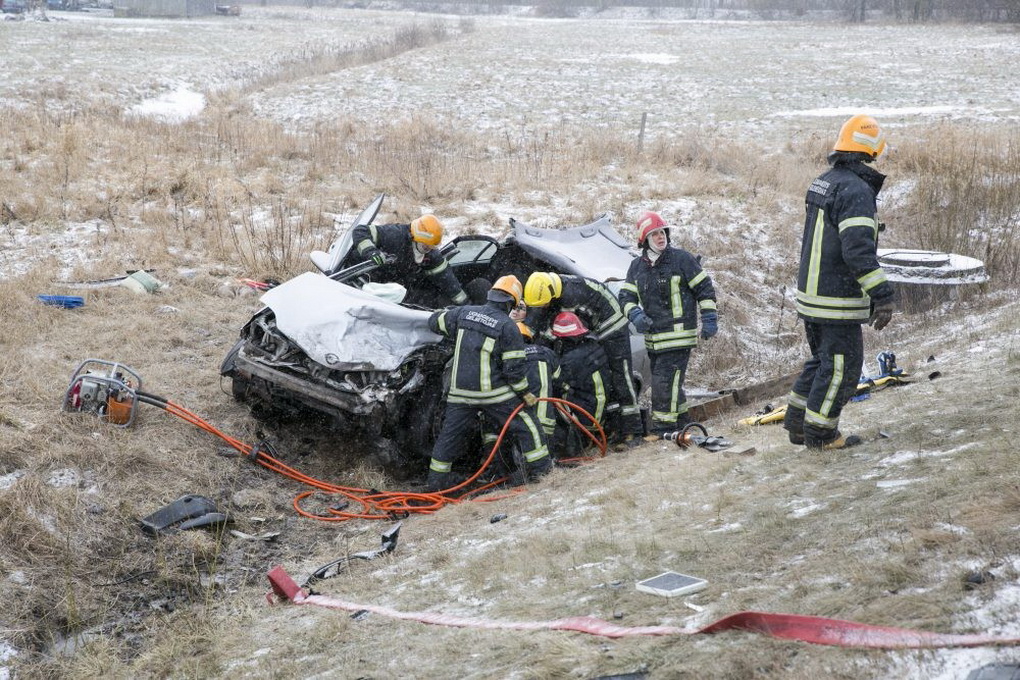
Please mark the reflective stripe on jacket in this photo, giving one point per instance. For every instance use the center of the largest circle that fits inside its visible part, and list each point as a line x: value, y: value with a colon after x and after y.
x: 591, y: 300
x: 839, y: 271
x: 672, y: 292
x: 489, y: 364
x: 395, y: 239
x: 543, y: 378
x: 585, y: 377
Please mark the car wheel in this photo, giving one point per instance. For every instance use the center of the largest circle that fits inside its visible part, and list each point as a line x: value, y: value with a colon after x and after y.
x: 239, y: 388
x: 417, y: 430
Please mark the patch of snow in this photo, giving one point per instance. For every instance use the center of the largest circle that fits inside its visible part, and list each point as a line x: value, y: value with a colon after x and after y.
x: 22, y: 247
x: 8, y: 480
x: 903, y: 457
x: 727, y: 528
x: 7, y: 652
x: 806, y: 508
x: 61, y: 479
x: 895, y: 483
x: 889, y: 112
x: 666, y: 59
x: 171, y: 107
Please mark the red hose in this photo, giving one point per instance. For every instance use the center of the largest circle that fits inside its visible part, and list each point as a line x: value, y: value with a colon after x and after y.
x: 813, y: 629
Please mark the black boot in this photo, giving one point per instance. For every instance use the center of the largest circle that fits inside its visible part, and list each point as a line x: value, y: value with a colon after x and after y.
x: 439, y: 481
x: 540, y: 468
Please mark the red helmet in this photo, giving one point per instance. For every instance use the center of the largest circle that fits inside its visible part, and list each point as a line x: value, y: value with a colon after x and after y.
x: 647, y: 223
x: 568, y: 325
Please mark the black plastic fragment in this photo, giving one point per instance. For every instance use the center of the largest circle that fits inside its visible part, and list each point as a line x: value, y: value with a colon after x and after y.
x: 179, y: 511
x: 389, y: 544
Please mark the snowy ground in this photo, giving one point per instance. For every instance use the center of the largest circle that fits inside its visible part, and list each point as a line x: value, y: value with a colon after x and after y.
x: 773, y: 78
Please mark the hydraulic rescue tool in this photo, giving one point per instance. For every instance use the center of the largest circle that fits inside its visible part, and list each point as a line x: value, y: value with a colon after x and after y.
x: 686, y: 437
x: 106, y: 389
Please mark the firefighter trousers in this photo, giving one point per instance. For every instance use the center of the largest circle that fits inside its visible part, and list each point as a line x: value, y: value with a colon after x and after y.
x: 460, y: 425
x: 826, y: 383
x: 621, y: 366
x: 669, y: 403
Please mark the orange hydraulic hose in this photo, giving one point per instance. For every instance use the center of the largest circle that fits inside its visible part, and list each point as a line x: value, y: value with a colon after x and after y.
x: 380, y: 504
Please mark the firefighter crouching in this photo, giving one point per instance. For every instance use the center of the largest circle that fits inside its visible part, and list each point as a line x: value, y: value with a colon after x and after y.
x: 490, y: 377
x: 665, y: 291
x: 547, y: 294
x: 583, y: 380
x: 407, y: 253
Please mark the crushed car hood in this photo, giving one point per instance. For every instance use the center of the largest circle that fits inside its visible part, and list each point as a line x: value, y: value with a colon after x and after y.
x: 345, y: 328
x: 594, y: 250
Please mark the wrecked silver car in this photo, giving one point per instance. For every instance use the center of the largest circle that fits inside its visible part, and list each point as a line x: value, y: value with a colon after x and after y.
x: 360, y: 352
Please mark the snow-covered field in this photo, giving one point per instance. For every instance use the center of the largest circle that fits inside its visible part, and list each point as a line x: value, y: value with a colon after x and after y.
x: 762, y: 78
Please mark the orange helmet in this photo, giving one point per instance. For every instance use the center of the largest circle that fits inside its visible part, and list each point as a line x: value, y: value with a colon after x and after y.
x: 862, y: 134
x: 525, y: 331
x: 506, y: 289
x: 647, y: 223
x: 427, y: 230
x: 568, y: 325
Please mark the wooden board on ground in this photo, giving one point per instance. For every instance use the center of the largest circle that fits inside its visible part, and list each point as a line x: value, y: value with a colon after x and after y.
x: 713, y: 407
x: 752, y: 394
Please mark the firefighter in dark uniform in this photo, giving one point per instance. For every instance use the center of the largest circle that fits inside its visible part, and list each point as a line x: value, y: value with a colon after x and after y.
x: 406, y: 254
x: 489, y: 377
x: 584, y: 380
x: 543, y: 371
x: 665, y: 292
x: 840, y: 286
x: 547, y: 294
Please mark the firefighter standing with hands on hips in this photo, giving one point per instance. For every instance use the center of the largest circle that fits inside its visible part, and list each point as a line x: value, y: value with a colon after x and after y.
x: 490, y: 376
x: 840, y: 285
x: 547, y: 294
x: 665, y: 292
x: 408, y: 252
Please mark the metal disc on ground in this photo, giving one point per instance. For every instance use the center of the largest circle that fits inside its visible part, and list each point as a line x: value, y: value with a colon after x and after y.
x: 925, y: 278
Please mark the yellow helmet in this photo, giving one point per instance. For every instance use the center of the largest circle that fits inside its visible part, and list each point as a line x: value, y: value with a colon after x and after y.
x: 427, y: 230
x: 505, y: 289
x: 862, y: 134
x: 542, y: 288
x: 525, y: 331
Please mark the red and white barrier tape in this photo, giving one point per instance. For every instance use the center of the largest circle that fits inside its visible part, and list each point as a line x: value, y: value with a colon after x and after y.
x: 813, y: 629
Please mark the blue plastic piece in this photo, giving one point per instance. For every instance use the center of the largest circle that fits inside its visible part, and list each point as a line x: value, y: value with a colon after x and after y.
x: 65, y: 301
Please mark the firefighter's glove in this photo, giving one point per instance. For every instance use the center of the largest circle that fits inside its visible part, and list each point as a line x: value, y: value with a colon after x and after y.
x: 642, y: 322
x: 376, y: 256
x: 709, y: 325
x: 529, y: 399
x: 882, y: 314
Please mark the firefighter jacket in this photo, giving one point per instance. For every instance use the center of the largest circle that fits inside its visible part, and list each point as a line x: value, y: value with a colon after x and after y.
x: 585, y: 375
x: 489, y: 364
x: 395, y: 239
x: 544, y: 380
x: 839, y: 271
x: 591, y: 300
x: 672, y: 291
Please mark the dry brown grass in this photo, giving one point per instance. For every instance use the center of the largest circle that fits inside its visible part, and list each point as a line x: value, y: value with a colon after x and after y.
x: 966, y: 194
